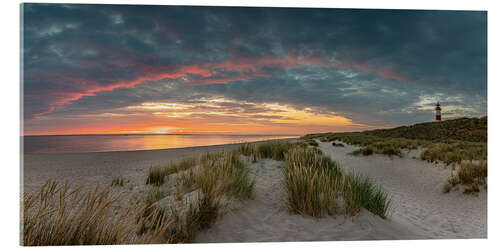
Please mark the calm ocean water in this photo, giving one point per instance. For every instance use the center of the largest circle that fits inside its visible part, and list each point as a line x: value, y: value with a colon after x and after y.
x: 104, y: 143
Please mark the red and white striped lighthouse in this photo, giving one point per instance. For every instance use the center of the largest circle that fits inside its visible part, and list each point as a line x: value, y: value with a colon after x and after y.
x: 438, y: 112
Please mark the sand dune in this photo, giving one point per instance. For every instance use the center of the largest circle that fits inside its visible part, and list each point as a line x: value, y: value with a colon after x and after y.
x: 421, y: 210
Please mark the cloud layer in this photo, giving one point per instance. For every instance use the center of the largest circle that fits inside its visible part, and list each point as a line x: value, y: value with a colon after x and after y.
x: 371, y: 67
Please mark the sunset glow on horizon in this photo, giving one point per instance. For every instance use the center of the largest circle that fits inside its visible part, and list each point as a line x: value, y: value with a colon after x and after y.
x: 127, y: 69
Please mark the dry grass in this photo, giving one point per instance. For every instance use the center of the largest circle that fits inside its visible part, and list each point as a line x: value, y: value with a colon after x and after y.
x: 60, y: 215
x: 470, y: 174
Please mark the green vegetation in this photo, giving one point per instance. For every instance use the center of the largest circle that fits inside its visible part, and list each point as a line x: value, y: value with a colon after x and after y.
x: 154, y: 194
x: 470, y: 174
x: 275, y: 150
x: 117, y: 181
x: 314, y: 184
x: 360, y: 192
x: 452, y: 152
x: 462, y: 129
x: 157, y: 174
x: 451, y: 142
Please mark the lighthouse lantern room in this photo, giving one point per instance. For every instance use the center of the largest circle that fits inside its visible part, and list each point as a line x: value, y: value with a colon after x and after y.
x: 438, y: 112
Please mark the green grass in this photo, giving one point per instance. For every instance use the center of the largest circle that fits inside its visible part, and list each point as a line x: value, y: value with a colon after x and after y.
x: 362, y: 151
x: 462, y: 129
x: 275, y: 150
x: 360, y: 192
x: 157, y: 174
x: 117, y: 181
x: 314, y: 184
x: 449, y: 142
x: 153, y: 195
x: 453, y: 152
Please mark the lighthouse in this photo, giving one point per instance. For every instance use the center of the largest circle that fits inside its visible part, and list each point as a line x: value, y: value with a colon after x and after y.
x: 438, y: 112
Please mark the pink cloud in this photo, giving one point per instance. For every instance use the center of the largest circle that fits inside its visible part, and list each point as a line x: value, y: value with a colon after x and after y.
x: 73, y: 88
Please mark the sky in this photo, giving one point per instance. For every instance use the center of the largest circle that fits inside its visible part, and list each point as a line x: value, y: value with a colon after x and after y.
x: 120, y: 69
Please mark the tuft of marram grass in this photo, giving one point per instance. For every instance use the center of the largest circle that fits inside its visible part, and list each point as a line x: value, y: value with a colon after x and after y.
x: 314, y: 183
x: 157, y: 174
x: 59, y: 215
x: 360, y: 192
x: 117, y: 181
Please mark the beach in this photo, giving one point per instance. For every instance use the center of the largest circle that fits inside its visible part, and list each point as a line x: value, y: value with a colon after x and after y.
x: 420, y: 210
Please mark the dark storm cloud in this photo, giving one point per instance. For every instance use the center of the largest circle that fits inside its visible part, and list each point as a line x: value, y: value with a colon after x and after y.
x: 374, y: 66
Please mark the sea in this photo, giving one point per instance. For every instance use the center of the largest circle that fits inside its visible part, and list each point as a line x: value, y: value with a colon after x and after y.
x: 56, y: 144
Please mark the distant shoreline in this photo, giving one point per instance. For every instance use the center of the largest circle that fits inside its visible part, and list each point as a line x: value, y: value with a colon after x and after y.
x: 166, y: 134
x: 159, y: 150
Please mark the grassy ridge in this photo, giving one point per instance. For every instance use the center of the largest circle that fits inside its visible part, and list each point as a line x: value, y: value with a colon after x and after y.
x: 460, y: 142
x: 462, y: 129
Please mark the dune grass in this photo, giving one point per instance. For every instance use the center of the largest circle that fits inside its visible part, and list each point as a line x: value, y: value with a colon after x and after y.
x: 60, y: 215
x: 360, y: 192
x: 470, y: 174
x: 117, y: 181
x: 224, y: 175
x: 248, y: 150
x: 275, y: 150
x: 157, y: 174
x: 454, y: 152
x: 314, y: 184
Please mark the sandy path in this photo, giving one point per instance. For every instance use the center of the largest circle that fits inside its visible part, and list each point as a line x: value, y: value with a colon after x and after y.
x: 416, y: 190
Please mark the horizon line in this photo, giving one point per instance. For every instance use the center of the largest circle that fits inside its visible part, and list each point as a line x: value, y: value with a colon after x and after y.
x: 126, y: 134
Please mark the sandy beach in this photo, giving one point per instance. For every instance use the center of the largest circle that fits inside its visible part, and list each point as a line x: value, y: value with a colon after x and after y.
x: 420, y: 209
